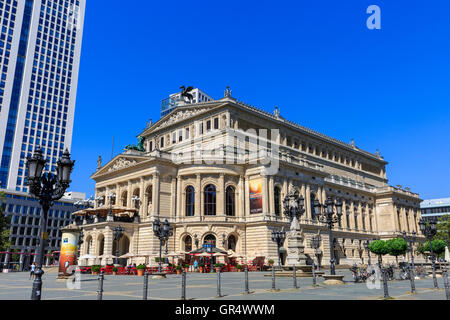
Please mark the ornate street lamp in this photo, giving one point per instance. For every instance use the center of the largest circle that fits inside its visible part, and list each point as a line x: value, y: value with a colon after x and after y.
x: 163, y: 232
x: 411, y: 252
x: 325, y: 214
x: 111, y: 196
x: 47, y: 188
x: 293, y: 205
x: 279, y: 237
x: 80, y: 241
x: 315, y: 244
x: 117, y: 233
x: 428, y: 227
x: 366, y: 247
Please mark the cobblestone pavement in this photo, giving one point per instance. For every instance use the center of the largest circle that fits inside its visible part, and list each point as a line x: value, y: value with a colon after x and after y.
x: 17, y: 286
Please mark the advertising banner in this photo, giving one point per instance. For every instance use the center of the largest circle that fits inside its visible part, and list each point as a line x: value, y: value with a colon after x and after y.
x: 255, y: 192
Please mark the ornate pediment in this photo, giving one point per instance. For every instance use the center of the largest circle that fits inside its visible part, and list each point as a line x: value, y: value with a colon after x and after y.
x: 180, y: 115
x: 121, y: 163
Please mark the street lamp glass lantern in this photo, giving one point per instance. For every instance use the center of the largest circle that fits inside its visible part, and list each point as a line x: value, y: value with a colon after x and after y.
x: 422, y: 226
x: 35, y: 164
x: 166, y: 226
x: 301, y: 202
x: 329, y: 205
x: 339, y: 207
x: 156, y: 226
x: 64, y: 168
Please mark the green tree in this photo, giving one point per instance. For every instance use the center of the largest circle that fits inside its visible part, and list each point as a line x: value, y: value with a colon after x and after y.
x: 397, y: 247
x: 438, y: 247
x: 443, y: 228
x: 379, y: 248
x: 4, y: 226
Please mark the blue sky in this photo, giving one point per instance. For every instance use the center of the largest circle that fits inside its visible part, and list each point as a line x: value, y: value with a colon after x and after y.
x: 317, y: 61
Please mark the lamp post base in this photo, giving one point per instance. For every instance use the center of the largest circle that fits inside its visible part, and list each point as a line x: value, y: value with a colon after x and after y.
x: 159, y: 276
x: 332, y: 280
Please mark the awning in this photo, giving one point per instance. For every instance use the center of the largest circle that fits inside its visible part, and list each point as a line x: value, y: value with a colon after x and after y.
x: 204, y: 250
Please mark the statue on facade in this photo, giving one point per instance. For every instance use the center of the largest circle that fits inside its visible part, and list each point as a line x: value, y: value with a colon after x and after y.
x: 139, y: 147
x: 99, y: 162
x: 185, y: 93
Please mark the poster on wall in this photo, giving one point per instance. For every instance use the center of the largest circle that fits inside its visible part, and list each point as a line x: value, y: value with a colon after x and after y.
x: 255, y: 192
x: 69, y: 251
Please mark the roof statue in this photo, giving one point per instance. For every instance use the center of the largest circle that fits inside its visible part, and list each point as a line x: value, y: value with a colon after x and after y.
x: 185, y: 92
x: 139, y: 147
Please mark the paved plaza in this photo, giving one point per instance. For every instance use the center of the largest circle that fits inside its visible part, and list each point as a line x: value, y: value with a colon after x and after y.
x: 17, y: 286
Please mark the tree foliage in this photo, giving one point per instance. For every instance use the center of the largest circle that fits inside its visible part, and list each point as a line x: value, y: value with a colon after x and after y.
x: 397, y: 246
x: 378, y: 247
x: 438, y: 247
x: 4, y: 226
x: 443, y: 228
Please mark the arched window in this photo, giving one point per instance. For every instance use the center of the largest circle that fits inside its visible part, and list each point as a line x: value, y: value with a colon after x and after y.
x: 277, y: 199
x: 188, y: 244
x: 190, y: 202
x: 124, y: 198
x: 230, y: 201
x: 210, y: 239
x: 210, y: 200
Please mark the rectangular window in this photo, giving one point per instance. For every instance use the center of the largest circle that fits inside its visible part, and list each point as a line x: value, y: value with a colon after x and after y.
x: 180, y: 135
x: 187, y: 133
x: 208, y: 125
x: 162, y: 142
x: 216, y: 123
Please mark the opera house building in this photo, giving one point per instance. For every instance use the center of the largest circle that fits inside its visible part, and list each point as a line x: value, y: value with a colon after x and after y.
x: 219, y: 171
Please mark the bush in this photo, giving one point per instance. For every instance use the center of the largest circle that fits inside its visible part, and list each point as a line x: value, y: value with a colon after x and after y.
x: 218, y: 265
x: 378, y: 247
x: 157, y: 259
x: 140, y: 267
x: 95, y: 268
x: 186, y: 265
x: 239, y: 266
x: 271, y: 261
x: 114, y: 269
x: 201, y: 265
x: 178, y: 267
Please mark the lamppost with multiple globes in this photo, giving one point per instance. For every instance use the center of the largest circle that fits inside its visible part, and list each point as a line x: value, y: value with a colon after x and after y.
x: 163, y: 232
x: 428, y: 227
x: 48, y: 188
x: 325, y: 214
x: 117, y: 233
x: 411, y: 268
x: 278, y: 237
x: 315, y: 244
x: 366, y: 247
x: 112, y: 197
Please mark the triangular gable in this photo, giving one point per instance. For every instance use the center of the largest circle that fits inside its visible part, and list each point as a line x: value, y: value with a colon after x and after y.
x: 120, y: 162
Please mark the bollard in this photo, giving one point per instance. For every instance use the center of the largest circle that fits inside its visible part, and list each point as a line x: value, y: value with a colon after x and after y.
x: 246, y: 280
x: 314, y: 273
x: 219, y: 294
x: 273, y: 278
x: 183, y: 285
x: 100, y: 286
x: 294, y: 274
x: 411, y: 279
x: 145, y: 285
x: 446, y: 286
x: 385, y: 285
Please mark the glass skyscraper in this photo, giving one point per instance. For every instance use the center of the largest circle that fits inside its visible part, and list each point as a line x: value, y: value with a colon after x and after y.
x: 40, y: 48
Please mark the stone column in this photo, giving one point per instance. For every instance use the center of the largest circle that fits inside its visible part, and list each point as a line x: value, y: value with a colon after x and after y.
x: 173, y: 198
x: 129, y: 194
x: 360, y: 224
x: 198, y: 195
x: 141, y: 196
x: 181, y: 209
x: 246, y: 197
x: 155, y: 195
x: 118, y: 194
x: 271, y: 196
x: 352, y: 215
x: 303, y: 194
x: 265, y: 195
x: 221, y: 195
x: 309, y: 208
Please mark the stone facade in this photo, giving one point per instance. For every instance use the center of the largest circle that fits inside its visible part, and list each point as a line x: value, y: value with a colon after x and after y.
x: 198, y: 171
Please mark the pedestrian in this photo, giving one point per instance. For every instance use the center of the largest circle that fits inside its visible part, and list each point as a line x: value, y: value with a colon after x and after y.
x: 33, y: 267
x: 195, y: 265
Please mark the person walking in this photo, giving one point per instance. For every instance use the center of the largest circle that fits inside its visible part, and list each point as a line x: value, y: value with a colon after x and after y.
x: 33, y: 267
x: 196, y: 265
